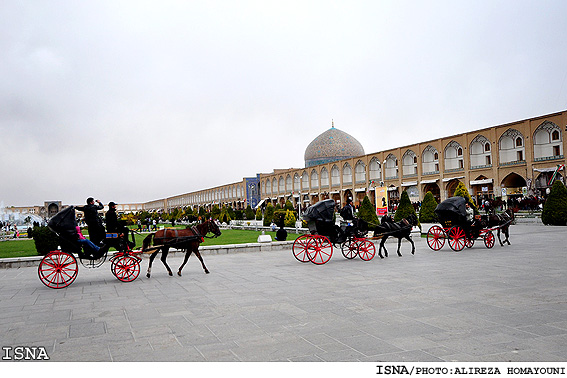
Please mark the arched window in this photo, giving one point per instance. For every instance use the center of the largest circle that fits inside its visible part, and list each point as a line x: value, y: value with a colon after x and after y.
x: 391, y: 167
x: 304, y: 181
x: 360, y: 172
x: 347, y: 174
x: 547, y: 142
x: 335, y: 176
x: 480, y: 154
x: 453, y: 157
x: 430, y: 160
x: 314, y: 179
x: 281, y: 185
x: 409, y: 164
x: 288, y: 184
x: 296, y: 182
x: 375, y: 170
x: 511, y: 147
x: 324, y: 178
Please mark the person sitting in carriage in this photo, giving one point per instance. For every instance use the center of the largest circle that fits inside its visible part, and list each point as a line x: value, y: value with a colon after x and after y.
x: 90, y: 249
x: 470, y: 221
x: 347, y: 212
x: 114, y: 225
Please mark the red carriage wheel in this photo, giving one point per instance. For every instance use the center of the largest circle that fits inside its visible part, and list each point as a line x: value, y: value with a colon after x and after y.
x: 436, y: 238
x: 489, y: 239
x: 366, y: 250
x: 469, y: 242
x: 350, y: 249
x: 319, y: 249
x: 58, y: 269
x: 126, y: 268
x: 457, y: 238
x: 300, y: 248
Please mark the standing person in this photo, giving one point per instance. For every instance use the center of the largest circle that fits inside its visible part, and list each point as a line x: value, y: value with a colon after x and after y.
x: 97, y: 232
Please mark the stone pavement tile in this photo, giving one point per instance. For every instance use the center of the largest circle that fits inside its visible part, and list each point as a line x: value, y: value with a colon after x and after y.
x: 345, y: 355
x: 543, y: 330
x: 410, y: 356
x: 369, y: 345
x: 86, y: 330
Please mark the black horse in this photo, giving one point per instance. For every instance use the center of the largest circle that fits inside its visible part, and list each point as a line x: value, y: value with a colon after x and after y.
x: 502, y: 221
x: 400, y: 230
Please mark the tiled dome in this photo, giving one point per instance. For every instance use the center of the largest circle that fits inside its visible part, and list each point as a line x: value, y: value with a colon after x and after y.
x: 332, y: 145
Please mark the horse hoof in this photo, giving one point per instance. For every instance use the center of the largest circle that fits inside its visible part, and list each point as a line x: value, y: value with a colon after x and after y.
x: 170, y: 274
x: 207, y: 272
x: 179, y: 274
x: 148, y: 275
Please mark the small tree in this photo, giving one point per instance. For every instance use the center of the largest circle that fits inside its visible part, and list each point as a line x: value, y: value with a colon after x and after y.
x: 555, y: 208
x: 367, y: 212
x: 405, y: 208
x: 224, y: 215
x: 258, y: 213
x: 249, y: 213
x: 215, y: 212
x: 268, y: 215
x: 461, y: 191
x: 290, y: 218
x: 427, y: 212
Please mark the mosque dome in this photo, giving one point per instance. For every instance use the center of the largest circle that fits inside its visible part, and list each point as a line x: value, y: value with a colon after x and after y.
x: 332, y: 145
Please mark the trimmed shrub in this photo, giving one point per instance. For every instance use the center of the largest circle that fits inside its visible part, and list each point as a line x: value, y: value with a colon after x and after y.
x: 45, y: 240
x: 290, y: 218
x: 461, y: 191
x: 279, y: 217
x: 367, y: 212
x: 268, y: 215
x: 405, y: 208
x: 258, y: 213
x: 555, y: 208
x: 249, y: 213
x: 427, y: 212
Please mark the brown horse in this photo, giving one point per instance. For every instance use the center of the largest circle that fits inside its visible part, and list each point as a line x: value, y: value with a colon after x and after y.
x: 188, y: 239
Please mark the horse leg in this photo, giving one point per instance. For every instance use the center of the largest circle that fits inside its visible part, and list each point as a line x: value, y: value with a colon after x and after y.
x: 164, y: 252
x: 506, y: 232
x: 500, y: 240
x: 408, y: 237
x: 383, y: 245
x: 399, y: 246
x: 198, y: 254
x: 152, y: 257
x: 187, y: 255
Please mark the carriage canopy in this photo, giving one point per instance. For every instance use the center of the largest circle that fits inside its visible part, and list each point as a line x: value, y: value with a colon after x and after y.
x: 452, y: 210
x: 63, y: 223
x: 321, y: 211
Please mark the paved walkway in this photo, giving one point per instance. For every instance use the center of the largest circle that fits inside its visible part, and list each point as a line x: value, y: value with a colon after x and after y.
x: 504, y: 304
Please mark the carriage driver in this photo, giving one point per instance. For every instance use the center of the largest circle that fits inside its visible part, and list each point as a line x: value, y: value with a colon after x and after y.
x: 115, y: 225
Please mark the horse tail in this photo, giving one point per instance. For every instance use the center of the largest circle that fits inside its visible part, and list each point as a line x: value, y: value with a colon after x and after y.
x: 147, y: 241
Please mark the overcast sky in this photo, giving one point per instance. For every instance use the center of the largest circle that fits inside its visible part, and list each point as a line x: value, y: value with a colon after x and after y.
x: 131, y: 101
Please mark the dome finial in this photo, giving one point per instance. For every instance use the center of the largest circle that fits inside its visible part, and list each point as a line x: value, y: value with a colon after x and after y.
x: 332, y: 123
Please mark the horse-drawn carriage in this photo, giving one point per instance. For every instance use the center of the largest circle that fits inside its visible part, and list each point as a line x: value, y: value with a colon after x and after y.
x: 460, y: 233
x: 317, y: 246
x: 58, y: 269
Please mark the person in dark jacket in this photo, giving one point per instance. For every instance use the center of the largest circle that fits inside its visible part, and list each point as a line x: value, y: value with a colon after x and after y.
x: 97, y: 232
x: 113, y: 224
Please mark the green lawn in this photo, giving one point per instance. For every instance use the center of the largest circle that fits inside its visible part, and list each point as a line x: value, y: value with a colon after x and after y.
x: 26, y: 247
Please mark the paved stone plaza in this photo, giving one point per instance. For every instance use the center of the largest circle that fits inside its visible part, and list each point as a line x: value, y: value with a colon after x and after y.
x: 504, y: 304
